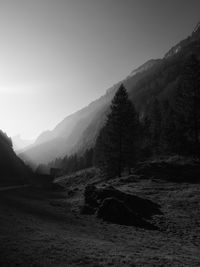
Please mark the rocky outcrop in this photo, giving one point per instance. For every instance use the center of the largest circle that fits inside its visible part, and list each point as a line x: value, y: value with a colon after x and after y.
x: 119, y: 207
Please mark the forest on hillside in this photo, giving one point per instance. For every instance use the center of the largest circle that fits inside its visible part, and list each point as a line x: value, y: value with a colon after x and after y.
x: 165, y: 128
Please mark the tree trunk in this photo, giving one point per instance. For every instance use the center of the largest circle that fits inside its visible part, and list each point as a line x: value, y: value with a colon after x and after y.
x: 196, y: 128
x: 120, y: 155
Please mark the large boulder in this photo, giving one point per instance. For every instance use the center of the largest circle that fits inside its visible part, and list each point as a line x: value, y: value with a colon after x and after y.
x: 141, y: 207
x: 87, y: 209
x: 116, y: 211
x: 116, y: 206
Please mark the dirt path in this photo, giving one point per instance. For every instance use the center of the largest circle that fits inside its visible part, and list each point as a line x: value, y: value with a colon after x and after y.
x: 6, y: 188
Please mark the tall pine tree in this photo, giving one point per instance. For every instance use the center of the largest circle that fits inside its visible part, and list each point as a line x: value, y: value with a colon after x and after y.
x: 155, y: 116
x: 116, y: 145
x: 188, y: 102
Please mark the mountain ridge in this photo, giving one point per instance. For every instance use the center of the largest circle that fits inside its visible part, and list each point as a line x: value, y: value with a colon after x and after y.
x: 154, y: 78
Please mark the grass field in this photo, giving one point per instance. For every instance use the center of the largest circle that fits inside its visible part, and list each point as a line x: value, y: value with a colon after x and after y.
x: 45, y: 228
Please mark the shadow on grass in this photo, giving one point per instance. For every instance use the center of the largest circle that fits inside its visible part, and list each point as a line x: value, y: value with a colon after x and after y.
x: 33, y: 202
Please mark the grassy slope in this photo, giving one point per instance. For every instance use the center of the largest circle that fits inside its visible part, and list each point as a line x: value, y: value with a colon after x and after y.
x: 49, y: 230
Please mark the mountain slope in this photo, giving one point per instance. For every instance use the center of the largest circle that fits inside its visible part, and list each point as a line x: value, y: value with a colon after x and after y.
x: 155, y: 78
x: 64, y: 137
x: 12, y: 168
x: 149, y: 64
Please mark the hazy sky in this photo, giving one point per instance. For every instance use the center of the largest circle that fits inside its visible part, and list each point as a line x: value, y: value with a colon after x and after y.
x: 56, y: 56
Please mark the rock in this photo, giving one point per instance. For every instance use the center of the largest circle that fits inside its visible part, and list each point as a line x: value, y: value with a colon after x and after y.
x: 71, y: 192
x: 87, y: 210
x: 115, y: 206
x: 140, y: 207
x: 116, y: 211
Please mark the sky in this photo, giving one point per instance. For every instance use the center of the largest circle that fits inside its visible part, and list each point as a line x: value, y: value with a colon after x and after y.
x: 56, y: 56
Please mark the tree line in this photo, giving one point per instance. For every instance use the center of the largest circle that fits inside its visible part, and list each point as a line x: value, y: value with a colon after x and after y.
x: 69, y: 164
x: 165, y: 127
x: 173, y: 126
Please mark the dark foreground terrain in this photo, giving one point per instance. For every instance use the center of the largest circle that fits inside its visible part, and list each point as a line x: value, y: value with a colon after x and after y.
x: 45, y: 228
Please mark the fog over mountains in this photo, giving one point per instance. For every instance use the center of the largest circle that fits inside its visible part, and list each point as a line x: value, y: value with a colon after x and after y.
x: 78, y: 132
x: 19, y: 143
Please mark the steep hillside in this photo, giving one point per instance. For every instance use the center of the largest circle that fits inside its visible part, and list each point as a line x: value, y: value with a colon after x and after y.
x: 149, y: 64
x: 65, y: 137
x: 12, y: 169
x: 78, y: 131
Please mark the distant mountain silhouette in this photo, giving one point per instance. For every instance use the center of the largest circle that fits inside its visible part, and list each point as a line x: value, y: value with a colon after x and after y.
x: 77, y: 132
x: 20, y: 143
x: 12, y: 169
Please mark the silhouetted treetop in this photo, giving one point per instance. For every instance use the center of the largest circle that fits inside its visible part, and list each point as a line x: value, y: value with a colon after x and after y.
x: 116, y: 144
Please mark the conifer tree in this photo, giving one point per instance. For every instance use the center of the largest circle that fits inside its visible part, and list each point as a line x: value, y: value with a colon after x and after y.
x: 188, y: 101
x: 155, y: 116
x: 170, y: 135
x: 117, y: 142
x: 146, y: 148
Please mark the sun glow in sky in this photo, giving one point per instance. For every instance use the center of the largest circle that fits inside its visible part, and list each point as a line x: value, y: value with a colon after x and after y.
x: 58, y: 56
